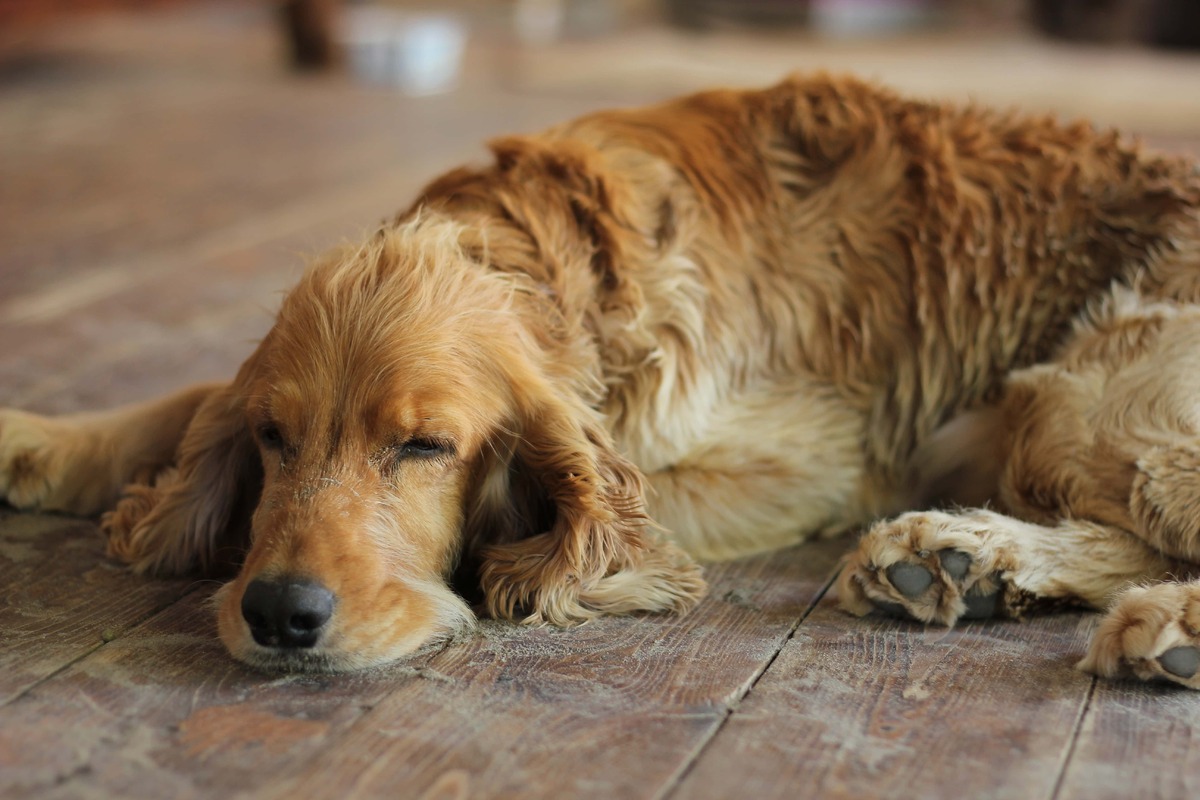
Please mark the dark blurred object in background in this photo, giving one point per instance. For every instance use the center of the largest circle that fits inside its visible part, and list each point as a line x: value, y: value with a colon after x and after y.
x: 311, y: 27
x: 832, y: 17
x: 1168, y: 23
x: 700, y: 14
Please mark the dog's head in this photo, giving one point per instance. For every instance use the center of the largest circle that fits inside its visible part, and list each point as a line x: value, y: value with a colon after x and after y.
x: 403, y: 409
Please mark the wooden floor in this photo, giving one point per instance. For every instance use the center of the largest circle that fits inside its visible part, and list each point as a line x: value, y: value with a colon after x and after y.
x: 160, y: 180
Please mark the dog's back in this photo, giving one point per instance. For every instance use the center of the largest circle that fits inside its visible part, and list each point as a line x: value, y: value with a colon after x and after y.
x: 885, y: 262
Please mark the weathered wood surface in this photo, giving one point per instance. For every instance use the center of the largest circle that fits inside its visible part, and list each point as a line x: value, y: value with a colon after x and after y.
x: 1136, y: 740
x: 159, y: 134
x: 157, y: 191
x: 163, y: 711
x: 886, y: 708
x: 59, y: 598
x: 612, y: 709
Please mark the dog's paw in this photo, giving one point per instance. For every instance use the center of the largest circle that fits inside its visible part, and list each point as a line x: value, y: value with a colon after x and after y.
x: 1152, y: 633
x: 929, y: 566
x: 53, y: 464
x: 30, y: 471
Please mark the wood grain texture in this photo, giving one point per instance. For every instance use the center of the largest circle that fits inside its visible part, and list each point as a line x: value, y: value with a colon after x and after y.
x: 164, y: 712
x: 157, y: 131
x: 162, y: 180
x: 1136, y: 740
x: 60, y: 599
x: 614, y: 708
x: 875, y: 708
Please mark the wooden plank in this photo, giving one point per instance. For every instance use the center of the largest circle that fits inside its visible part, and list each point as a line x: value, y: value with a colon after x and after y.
x: 102, y: 166
x: 874, y: 708
x: 164, y: 712
x: 127, y: 180
x: 614, y: 708
x: 169, y: 319
x: 1137, y: 740
x: 60, y: 599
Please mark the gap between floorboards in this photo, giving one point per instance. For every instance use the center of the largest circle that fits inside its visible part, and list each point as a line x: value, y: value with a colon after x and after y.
x: 1084, y: 707
x: 137, y: 623
x: 673, y: 783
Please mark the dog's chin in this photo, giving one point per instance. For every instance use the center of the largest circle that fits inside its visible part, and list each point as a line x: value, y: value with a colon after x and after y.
x: 289, y: 662
x: 327, y: 658
x: 320, y: 659
x: 324, y: 658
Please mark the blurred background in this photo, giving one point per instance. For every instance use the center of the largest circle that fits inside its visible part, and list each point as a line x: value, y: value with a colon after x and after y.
x: 165, y: 165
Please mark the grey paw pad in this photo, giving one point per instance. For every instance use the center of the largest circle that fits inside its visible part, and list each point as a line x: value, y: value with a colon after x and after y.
x: 910, y: 580
x: 983, y: 606
x: 890, y: 609
x: 1181, y: 661
x: 955, y: 562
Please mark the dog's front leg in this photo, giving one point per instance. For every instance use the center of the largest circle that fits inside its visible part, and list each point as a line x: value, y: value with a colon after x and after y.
x: 78, y: 464
x: 940, y: 567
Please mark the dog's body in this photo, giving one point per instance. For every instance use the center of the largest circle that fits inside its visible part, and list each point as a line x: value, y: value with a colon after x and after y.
x: 746, y: 316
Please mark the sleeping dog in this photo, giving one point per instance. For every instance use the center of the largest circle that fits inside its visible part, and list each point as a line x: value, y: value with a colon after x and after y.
x: 715, y: 326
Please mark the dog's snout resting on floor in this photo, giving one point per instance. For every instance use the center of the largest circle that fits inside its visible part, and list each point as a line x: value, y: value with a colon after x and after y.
x: 719, y: 325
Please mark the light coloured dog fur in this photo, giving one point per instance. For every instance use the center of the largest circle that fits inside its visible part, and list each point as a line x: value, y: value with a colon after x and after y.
x: 715, y: 326
x: 1096, y: 457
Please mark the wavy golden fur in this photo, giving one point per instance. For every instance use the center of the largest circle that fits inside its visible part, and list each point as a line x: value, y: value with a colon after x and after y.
x: 714, y: 326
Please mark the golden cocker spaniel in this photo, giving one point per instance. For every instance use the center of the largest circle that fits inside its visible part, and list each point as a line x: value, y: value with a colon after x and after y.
x: 719, y: 325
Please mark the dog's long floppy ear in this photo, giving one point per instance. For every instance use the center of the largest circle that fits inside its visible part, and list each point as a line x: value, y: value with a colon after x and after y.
x: 196, y: 514
x: 602, y: 553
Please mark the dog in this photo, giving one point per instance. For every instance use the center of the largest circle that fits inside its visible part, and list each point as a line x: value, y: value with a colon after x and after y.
x: 631, y: 343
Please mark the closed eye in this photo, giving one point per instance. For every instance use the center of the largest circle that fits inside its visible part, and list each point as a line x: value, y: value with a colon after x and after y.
x: 422, y: 448
x: 270, y: 437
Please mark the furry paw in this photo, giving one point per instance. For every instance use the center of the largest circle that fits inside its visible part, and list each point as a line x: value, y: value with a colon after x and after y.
x: 531, y: 577
x: 30, y: 471
x: 1152, y: 633
x: 53, y: 465
x: 929, y: 566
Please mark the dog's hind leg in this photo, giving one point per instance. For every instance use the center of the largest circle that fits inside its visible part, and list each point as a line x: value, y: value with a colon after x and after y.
x: 1152, y: 633
x: 1165, y: 500
x: 938, y: 567
x: 79, y: 463
x: 941, y: 567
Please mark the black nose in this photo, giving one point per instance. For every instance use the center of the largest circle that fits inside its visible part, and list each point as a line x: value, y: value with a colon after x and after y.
x: 286, y: 612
